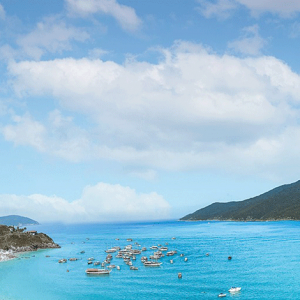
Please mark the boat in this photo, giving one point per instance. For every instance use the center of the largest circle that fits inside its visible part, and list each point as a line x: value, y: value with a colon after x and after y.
x: 111, y: 266
x: 97, y: 271
x: 111, y: 250
x: 152, y: 264
x: 133, y: 268
x: 62, y: 261
x: 97, y: 263
x: 163, y: 249
x: 221, y: 295
x: 234, y: 289
x: 144, y: 249
x: 153, y: 247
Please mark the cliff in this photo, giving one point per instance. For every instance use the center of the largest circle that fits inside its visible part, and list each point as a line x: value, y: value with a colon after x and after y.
x: 18, y: 240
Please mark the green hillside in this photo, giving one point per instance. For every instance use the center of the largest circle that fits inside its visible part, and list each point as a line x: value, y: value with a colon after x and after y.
x: 15, y: 220
x: 281, y: 203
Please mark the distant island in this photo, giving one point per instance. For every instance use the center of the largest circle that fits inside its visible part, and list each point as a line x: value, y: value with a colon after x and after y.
x: 15, y: 220
x: 281, y: 203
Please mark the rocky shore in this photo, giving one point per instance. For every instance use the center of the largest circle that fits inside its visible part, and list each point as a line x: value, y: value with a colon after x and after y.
x: 14, y: 240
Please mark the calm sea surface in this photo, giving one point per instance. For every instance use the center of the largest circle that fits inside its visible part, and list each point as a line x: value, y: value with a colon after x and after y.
x: 265, y: 262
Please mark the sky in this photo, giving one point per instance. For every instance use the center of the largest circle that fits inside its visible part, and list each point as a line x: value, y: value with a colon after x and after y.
x: 132, y: 110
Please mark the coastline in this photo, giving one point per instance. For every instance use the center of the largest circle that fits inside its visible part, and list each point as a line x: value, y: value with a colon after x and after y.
x: 6, y: 255
x: 233, y: 220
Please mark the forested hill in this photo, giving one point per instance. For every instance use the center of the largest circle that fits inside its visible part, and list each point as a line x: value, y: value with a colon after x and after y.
x: 281, y: 203
x: 15, y: 220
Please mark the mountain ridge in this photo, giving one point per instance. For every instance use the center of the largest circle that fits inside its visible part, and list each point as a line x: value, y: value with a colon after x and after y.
x: 280, y: 203
x: 16, y: 220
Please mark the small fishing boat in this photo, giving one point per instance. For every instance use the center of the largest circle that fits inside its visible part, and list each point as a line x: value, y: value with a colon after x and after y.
x: 64, y: 260
x: 153, y: 247
x: 152, y: 264
x: 97, y: 271
x: 73, y: 259
x: 111, y: 250
x: 221, y: 295
x: 234, y: 289
x: 133, y: 268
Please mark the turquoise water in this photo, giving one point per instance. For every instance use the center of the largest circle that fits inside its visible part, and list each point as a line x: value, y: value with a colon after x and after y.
x: 265, y: 262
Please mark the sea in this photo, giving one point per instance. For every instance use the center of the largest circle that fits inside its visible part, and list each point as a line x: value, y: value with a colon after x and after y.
x: 265, y: 262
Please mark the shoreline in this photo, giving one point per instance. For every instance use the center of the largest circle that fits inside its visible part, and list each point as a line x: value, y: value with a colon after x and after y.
x: 232, y: 220
x: 6, y: 255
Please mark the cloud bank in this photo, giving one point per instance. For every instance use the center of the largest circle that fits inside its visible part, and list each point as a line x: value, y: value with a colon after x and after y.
x: 99, y: 203
x: 191, y: 110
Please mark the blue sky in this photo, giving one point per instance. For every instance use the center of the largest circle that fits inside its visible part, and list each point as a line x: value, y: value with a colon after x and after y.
x: 143, y: 110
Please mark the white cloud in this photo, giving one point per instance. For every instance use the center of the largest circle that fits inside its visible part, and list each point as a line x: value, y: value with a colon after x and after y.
x: 97, y: 53
x: 125, y: 15
x: 221, y: 9
x: 224, y: 8
x: 193, y: 109
x: 100, y: 203
x: 2, y: 13
x: 251, y: 43
x: 25, y: 131
x: 51, y: 35
x: 286, y: 8
x: 58, y: 136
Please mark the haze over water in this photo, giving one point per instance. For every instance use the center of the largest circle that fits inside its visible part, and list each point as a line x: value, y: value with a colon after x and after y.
x: 265, y: 262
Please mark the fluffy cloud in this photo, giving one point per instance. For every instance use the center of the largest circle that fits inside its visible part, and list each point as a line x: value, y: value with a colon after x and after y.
x: 224, y: 8
x: 25, y: 131
x: 125, y: 15
x: 251, y: 43
x: 100, y: 203
x: 221, y: 9
x: 193, y: 109
x: 51, y: 35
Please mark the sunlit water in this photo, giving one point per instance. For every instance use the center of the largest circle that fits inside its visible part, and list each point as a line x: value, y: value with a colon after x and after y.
x: 265, y: 262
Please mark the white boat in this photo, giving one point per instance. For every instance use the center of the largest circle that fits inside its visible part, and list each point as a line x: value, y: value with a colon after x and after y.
x: 111, y: 250
x: 153, y: 247
x: 152, y: 264
x: 133, y: 268
x: 97, y: 271
x: 221, y: 295
x: 163, y: 249
x: 234, y: 289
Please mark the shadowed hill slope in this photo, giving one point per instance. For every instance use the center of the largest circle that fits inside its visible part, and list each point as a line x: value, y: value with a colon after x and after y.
x: 281, y: 203
x: 15, y: 220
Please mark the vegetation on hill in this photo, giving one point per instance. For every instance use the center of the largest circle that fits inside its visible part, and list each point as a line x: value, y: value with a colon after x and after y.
x: 281, y: 203
x: 15, y: 220
x: 18, y: 240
